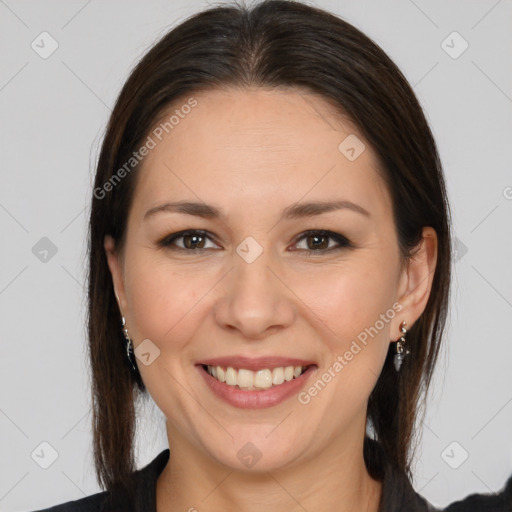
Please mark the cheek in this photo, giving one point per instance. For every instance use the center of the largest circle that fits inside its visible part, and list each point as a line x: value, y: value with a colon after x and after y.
x: 163, y: 301
x: 353, y: 309
x: 351, y: 299
x: 356, y: 306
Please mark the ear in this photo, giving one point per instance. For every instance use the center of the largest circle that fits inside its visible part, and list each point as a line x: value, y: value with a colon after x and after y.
x: 114, y: 261
x: 416, y: 281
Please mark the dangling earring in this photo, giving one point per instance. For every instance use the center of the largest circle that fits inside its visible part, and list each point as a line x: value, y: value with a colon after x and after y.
x: 129, y: 346
x: 400, y: 352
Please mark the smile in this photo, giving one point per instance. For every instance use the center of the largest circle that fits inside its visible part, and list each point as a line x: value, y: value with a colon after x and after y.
x: 252, y: 380
x: 258, y: 388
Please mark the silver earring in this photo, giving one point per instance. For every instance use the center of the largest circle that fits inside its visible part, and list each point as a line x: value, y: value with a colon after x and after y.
x: 400, y: 351
x: 129, y: 345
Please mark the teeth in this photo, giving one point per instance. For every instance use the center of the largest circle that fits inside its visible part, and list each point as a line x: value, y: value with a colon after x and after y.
x: 277, y: 376
x: 231, y: 377
x: 245, y: 378
x: 261, y: 379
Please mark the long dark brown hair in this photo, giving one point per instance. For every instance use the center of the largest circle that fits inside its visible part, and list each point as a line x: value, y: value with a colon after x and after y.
x: 272, y: 44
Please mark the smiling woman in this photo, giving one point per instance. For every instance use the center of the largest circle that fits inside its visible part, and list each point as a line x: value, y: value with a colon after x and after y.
x: 287, y: 237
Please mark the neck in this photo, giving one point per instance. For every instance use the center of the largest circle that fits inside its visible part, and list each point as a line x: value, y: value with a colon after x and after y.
x: 335, y: 479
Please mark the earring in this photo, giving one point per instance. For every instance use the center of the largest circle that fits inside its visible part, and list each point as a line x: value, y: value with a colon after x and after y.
x: 400, y: 351
x: 129, y: 345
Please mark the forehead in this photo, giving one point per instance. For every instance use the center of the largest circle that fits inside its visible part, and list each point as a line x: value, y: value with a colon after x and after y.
x: 253, y: 146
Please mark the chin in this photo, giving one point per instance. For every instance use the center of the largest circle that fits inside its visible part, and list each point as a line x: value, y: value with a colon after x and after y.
x: 255, y: 451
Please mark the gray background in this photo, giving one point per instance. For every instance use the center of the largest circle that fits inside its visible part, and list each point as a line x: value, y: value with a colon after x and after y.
x: 54, y: 112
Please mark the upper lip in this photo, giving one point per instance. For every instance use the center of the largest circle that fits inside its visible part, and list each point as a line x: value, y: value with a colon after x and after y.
x: 255, y: 363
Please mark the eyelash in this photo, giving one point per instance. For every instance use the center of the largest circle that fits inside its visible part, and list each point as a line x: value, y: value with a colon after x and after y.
x: 343, y: 242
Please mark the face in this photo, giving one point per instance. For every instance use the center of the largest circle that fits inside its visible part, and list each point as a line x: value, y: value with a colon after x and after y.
x: 260, y: 281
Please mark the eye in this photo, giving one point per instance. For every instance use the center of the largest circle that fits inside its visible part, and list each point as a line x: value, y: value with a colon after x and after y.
x: 318, y: 241
x: 192, y: 240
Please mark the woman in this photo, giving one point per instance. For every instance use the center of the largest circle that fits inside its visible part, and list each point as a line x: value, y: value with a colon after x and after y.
x: 270, y: 263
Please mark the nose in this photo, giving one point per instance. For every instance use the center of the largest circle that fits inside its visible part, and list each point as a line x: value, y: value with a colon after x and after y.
x: 254, y: 299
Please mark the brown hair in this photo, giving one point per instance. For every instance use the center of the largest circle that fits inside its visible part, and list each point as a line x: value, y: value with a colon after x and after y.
x: 272, y: 44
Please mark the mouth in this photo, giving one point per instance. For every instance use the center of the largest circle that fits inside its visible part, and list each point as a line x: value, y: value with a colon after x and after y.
x: 250, y: 380
x: 249, y: 383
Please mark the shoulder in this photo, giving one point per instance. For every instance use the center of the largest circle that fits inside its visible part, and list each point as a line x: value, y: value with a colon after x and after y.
x: 481, y: 503
x: 94, y: 503
x: 497, y: 502
x: 107, y: 501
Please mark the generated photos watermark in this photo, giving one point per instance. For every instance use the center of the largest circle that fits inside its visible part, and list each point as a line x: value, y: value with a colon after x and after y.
x: 343, y: 360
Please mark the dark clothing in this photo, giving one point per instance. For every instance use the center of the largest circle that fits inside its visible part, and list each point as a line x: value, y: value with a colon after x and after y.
x: 498, y: 502
x: 398, y: 495
x: 145, y: 493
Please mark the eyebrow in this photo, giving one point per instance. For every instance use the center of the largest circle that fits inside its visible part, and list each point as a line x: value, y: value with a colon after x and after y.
x: 295, y: 211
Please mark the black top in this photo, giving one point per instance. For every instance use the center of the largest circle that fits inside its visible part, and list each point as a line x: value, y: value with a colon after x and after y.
x: 398, y: 495
x: 499, y: 502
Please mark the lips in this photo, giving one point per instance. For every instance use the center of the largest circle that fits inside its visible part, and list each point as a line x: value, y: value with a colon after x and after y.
x: 253, y: 383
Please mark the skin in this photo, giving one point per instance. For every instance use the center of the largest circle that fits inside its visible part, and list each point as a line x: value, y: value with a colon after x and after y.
x: 251, y: 153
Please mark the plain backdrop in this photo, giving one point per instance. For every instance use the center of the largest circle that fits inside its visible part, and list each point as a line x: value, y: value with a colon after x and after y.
x: 53, y: 115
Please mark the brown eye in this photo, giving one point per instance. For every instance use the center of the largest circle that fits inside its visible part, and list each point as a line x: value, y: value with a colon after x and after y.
x: 191, y: 240
x: 320, y: 241
x: 317, y: 241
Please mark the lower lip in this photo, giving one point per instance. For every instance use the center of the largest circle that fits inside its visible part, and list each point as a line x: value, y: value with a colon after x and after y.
x: 256, y: 399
